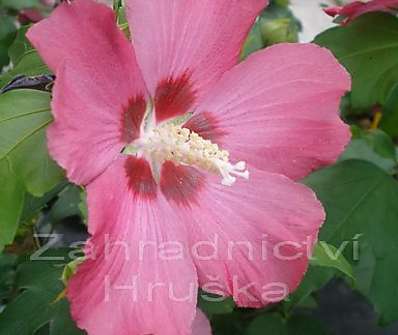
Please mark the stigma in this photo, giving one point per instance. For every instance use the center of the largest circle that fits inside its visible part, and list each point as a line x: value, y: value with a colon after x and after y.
x: 182, y: 146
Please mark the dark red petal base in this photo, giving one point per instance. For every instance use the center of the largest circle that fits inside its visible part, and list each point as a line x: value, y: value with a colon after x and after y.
x: 179, y: 184
x: 174, y: 97
x: 140, y: 179
x: 132, y: 118
x: 206, y: 125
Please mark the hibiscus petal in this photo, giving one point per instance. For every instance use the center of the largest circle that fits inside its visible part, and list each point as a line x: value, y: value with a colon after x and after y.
x: 357, y: 8
x: 137, y: 278
x: 201, y: 325
x: 278, y: 110
x: 252, y: 241
x: 99, y: 95
x: 184, y: 46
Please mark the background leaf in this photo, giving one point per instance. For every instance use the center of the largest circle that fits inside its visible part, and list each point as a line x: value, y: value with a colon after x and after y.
x: 11, y: 203
x: 39, y: 285
x: 274, y: 324
x: 20, y: 4
x: 7, y: 276
x: 276, y: 24
x: 315, y: 279
x: 24, y: 115
x: 368, y: 48
x: 20, y: 46
x: 389, y: 122
x: 361, y: 201
x: 7, y: 34
x: 373, y: 146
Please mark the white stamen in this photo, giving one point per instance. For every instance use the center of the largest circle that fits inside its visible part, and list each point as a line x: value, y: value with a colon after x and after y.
x: 183, y: 146
x: 227, y: 170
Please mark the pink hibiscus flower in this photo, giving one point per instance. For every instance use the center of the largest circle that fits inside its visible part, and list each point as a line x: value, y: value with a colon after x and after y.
x: 190, y: 160
x: 358, y: 8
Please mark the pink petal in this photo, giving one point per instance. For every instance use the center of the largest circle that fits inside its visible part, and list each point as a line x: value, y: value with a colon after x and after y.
x: 358, y: 8
x: 201, y: 325
x: 333, y: 11
x: 255, y: 236
x: 135, y: 281
x: 99, y: 95
x: 278, y: 110
x: 184, y: 46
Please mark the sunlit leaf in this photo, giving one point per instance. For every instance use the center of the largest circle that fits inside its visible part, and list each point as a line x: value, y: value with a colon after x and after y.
x: 327, y: 255
x: 30, y: 64
x: 24, y: 115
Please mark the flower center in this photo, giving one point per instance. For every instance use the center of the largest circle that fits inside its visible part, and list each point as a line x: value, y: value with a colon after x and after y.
x: 171, y: 142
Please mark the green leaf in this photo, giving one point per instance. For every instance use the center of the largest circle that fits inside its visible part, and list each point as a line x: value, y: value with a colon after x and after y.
x: 30, y: 64
x: 327, y: 255
x: 275, y: 25
x: 39, y: 285
x: 24, y: 115
x: 279, y: 31
x: 368, y: 48
x: 20, y: 46
x: 361, y: 200
x: 11, y: 203
x: 274, y: 324
x: 83, y: 207
x: 253, y: 42
x: 389, y: 121
x: 7, y: 35
x: 7, y: 276
x: 267, y: 324
x: 373, y: 146
x: 315, y: 279
x: 70, y: 269
x: 211, y: 304
x: 67, y: 204
x: 33, y: 204
x: 42, y: 173
x: 20, y: 4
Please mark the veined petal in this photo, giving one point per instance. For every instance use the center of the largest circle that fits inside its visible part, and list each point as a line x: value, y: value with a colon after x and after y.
x: 137, y: 278
x: 184, y: 46
x: 278, y: 110
x: 99, y: 94
x: 252, y: 241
